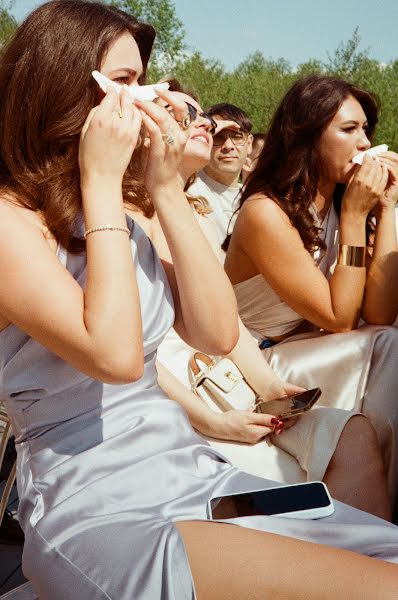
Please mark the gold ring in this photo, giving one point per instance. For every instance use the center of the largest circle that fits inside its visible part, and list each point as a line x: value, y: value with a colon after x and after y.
x: 186, y: 121
x: 118, y: 110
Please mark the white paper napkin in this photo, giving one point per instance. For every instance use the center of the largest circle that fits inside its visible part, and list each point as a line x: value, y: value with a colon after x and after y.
x: 358, y: 159
x: 144, y: 93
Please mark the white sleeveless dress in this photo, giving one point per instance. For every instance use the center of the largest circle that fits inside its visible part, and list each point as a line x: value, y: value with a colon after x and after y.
x: 302, y: 453
x: 104, y: 471
x: 357, y: 371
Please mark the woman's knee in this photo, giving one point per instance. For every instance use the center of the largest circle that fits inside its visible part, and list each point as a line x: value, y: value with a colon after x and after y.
x: 359, y: 439
x: 360, y: 425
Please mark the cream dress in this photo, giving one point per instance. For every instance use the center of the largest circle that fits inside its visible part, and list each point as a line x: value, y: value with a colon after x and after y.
x: 357, y: 371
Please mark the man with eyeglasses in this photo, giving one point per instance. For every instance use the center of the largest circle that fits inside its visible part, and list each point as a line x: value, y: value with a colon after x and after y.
x: 219, y: 180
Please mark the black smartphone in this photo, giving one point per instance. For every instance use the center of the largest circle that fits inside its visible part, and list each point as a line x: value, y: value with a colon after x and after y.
x: 289, y: 406
x: 299, y: 501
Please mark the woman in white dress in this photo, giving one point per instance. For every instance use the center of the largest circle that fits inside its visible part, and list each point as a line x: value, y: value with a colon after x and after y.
x: 317, y: 447
x: 306, y: 207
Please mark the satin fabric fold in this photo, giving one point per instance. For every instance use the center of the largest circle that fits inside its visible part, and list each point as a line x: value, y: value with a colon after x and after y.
x: 302, y: 453
x: 357, y: 371
x: 104, y: 471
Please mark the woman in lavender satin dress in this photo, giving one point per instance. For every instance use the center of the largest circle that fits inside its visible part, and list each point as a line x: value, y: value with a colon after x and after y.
x: 113, y: 480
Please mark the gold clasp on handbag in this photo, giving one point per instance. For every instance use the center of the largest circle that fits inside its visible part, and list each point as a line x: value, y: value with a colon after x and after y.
x: 229, y: 375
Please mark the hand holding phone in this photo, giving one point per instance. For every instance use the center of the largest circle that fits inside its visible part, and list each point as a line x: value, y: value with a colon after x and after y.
x: 299, y: 501
x: 290, y: 406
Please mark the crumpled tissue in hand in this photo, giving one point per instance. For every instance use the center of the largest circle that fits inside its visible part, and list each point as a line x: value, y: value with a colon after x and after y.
x: 358, y: 159
x: 144, y: 93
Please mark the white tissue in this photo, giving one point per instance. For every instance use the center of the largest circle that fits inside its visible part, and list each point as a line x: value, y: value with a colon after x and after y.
x: 144, y: 93
x: 358, y: 159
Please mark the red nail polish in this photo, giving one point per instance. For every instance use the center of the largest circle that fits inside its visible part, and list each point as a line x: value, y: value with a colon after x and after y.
x: 275, y: 421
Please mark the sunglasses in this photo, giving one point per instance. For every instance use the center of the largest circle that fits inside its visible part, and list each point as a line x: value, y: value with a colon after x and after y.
x: 194, y: 114
x: 238, y: 138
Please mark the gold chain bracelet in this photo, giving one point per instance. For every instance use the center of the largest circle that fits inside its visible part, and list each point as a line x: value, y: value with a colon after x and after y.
x: 351, y: 256
x: 106, y: 228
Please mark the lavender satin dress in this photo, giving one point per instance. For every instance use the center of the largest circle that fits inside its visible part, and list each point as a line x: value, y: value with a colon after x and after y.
x: 104, y: 471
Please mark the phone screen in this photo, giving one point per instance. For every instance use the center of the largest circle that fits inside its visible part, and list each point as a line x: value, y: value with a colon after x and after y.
x: 271, y: 501
x: 291, y: 405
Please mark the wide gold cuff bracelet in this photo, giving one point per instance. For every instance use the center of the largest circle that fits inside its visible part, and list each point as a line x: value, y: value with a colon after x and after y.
x: 351, y: 256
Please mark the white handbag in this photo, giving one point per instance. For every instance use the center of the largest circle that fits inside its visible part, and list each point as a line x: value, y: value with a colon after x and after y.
x: 220, y: 383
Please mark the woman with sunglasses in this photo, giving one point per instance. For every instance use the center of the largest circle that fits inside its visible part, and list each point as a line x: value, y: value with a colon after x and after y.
x: 113, y: 481
x: 314, y: 248
x: 317, y: 447
x: 219, y: 180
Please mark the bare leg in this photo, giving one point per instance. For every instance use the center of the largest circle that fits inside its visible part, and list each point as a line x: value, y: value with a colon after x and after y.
x: 355, y: 474
x: 235, y: 563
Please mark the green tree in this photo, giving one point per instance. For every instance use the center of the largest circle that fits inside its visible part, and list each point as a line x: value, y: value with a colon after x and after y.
x: 8, y: 23
x: 311, y: 67
x: 202, y: 76
x: 257, y: 86
x: 347, y: 58
x: 170, y: 32
x: 382, y: 81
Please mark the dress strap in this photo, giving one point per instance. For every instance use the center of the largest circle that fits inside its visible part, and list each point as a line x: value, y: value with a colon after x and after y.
x: 62, y: 254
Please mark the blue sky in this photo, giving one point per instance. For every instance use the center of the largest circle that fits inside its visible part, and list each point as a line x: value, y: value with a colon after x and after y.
x: 230, y: 30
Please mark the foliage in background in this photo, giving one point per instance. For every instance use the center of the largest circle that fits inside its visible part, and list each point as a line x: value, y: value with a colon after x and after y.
x: 257, y: 83
x: 161, y: 14
x: 7, y: 22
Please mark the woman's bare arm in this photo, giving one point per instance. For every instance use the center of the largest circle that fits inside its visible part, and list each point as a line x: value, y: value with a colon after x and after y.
x: 234, y: 425
x: 98, y: 330
x: 206, y: 314
x: 276, y: 250
x: 381, y: 292
x: 249, y: 359
x: 264, y: 238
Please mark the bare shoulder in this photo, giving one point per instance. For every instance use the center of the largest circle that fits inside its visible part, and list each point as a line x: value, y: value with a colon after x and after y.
x: 24, y: 241
x: 261, y: 212
x: 23, y: 236
x: 20, y: 225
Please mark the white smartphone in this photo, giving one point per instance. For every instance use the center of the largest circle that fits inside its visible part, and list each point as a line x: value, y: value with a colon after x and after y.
x: 299, y: 501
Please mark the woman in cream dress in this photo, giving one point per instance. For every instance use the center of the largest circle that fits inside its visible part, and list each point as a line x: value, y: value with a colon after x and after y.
x: 292, y: 286
x: 318, y: 446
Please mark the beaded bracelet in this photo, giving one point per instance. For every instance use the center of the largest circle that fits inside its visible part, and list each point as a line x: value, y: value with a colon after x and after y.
x: 351, y: 256
x: 106, y: 228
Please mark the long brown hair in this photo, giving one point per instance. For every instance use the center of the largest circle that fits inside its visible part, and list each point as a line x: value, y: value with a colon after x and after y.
x: 46, y: 93
x: 288, y: 168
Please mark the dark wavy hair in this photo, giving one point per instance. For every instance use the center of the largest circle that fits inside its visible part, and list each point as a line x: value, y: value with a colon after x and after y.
x: 46, y: 93
x: 288, y: 167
